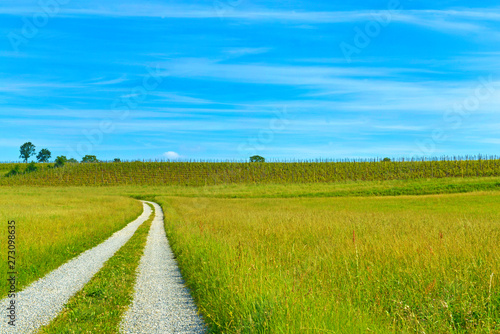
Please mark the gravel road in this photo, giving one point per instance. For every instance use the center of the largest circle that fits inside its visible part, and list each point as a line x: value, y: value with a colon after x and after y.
x: 40, y: 302
x: 161, y: 303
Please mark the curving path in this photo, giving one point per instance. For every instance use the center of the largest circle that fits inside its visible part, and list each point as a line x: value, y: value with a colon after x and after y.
x: 161, y: 303
x: 40, y: 302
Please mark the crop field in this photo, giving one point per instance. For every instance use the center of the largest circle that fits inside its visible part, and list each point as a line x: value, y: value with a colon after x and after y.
x: 400, y: 255
x: 216, y: 173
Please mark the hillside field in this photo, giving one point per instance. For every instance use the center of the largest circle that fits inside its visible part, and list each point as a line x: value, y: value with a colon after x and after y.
x: 217, y: 173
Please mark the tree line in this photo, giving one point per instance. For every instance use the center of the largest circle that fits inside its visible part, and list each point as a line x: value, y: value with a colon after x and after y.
x: 27, y: 150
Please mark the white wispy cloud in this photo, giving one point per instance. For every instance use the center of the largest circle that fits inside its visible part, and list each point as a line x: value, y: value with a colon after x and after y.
x: 375, y: 88
x: 495, y: 141
x: 179, y: 98
x: 446, y: 20
x: 246, y: 51
x: 400, y: 127
x: 32, y: 87
x: 121, y: 79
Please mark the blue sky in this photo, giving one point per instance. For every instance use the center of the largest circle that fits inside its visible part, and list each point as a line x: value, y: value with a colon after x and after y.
x: 227, y: 79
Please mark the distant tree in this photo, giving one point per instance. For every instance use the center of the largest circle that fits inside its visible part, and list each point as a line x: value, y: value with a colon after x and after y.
x: 386, y: 159
x: 32, y: 167
x: 43, y: 155
x: 117, y: 160
x: 27, y: 150
x: 89, y: 158
x: 257, y: 158
x: 72, y: 161
x: 60, y: 161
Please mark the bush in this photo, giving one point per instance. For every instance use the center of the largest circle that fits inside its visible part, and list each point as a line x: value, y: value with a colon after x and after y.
x: 32, y: 167
x: 89, y: 158
x: 257, y: 158
x: 14, y: 171
x: 60, y: 161
x: 386, y: 159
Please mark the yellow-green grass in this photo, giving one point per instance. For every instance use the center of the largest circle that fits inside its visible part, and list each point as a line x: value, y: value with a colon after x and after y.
x: 203, y: 173
x: 54, y: 225
x: 291, y: 190
x: 341, y: 265
x: 221, y: 238
x: 99, y: 306
x: 352, y: 188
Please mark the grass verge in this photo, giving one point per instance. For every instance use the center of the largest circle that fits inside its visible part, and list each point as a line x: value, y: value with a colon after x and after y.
x: 99, y: 306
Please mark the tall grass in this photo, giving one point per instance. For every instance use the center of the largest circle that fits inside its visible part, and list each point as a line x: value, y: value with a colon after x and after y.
x: 347, y: 265
x: 216, y: 173
x: 55, y: 224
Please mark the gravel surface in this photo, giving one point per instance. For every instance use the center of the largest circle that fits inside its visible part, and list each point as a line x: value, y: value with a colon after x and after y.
x: 41, y: 302
x: 161, y: 304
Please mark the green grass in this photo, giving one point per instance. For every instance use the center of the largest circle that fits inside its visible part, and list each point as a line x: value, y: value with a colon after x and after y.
x: 349, y: 189
x: 99, y: 306
x: 54, y: 225
x: 341, y: 265
x: 349, y: 257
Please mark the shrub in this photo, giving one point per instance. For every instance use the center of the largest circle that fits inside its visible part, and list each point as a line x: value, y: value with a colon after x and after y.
x: 14, y: 171
x: 60, y: 161
x: 257, y: 158
x: 32, y: 167
x: 89, y: 158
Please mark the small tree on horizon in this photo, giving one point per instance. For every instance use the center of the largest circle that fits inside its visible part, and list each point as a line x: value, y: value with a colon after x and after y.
x: 89, y: 158
x: 27, y: 150
x: 44, y: 155
x: 60, y: 161
x: 257, y: 158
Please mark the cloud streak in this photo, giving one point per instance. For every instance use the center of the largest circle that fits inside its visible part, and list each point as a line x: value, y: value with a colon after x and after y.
x: 446, y: 20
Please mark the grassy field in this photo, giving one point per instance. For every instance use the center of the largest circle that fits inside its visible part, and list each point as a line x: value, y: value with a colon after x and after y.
x: 55, y: 224
x: 308, y: 265
x: 203, y: 173
x: 347, y: 189
x: 349, y: 257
